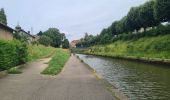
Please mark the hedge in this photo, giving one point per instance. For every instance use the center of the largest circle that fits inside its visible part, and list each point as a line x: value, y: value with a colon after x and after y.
x: 12, y: 53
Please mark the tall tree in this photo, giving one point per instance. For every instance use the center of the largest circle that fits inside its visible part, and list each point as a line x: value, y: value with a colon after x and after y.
x: 133, y: 19
x: 40, y: 33
x: 44, y: 40
x: 55, y: 36
x: 146, y: 12
x: 3, y: 18
x: 113, y: 28
x: 162, y: 10
x: 65, y: 44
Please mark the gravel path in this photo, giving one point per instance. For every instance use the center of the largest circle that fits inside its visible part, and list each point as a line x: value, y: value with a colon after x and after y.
x: 75, y: 82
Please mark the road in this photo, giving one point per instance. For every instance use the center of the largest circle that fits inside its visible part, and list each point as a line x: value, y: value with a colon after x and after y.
x: 75, y: 82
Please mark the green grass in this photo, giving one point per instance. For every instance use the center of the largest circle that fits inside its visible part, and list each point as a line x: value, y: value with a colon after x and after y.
x: 14, y: 70
x: 34, y: 52
x: 57, y: 63
x: 40, y: 51
x: 147, y: 47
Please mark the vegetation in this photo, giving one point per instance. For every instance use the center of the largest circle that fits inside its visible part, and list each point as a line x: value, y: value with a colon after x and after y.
x: 39, y: 51
x: 17, y: 52
x: 12, y: 53
x: 14, y: 70
x: 65, y: 44
x: 162, y: 10
x: 53, y: 37
x: 44, y: 40
x: 148, y: 16
x: 3, y: 18
x: 146, y: 47
x: 57, y: 62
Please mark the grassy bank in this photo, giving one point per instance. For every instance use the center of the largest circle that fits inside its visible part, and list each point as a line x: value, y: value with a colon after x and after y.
x: 14, y: 53
x: 57, y: 63
x: 34, y: 52
x: 146, y: 48
x: 40, y: 51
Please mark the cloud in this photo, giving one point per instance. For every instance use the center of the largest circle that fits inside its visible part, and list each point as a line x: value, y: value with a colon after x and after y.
x: 73, y: 17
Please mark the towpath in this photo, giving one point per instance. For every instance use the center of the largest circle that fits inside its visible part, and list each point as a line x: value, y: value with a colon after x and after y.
x: 75, y: 82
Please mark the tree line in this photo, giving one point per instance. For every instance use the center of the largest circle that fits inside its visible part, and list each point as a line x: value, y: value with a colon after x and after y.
x: 150, y: 14
x: 53, y: 37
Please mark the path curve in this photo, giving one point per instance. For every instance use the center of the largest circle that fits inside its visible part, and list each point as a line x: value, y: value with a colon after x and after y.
x: 75, y: 82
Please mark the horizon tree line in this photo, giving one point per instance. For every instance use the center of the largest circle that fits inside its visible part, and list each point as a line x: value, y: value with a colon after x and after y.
x: 150, y: 14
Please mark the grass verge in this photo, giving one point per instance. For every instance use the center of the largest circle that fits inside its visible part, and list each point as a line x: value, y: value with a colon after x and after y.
x: 40, y: 51
x: 151, y: 49
x: 57, y: 63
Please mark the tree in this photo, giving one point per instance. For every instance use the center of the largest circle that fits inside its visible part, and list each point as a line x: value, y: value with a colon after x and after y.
x: 3, y: 18
x: 121, y: 26
x: 105, y: 39
x: 113, y: 28
x: 133, y: 19
x: 40, y: 33
x: 162, y: 10
x: 55, y: 36
x: 44, y: 40
x: 146, y: 13
x: 65, y: 44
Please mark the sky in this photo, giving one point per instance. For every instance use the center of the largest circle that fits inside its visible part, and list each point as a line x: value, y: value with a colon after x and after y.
x: 72, y: 17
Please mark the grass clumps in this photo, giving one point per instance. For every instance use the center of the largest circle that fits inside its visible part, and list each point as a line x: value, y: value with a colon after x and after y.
x: 14, y: 70
x: 57, y: 63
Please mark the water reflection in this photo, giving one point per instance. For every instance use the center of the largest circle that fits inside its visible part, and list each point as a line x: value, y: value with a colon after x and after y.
x: 140, y: 81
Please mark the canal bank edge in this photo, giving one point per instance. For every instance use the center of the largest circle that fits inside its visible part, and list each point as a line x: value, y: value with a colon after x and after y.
x: 115, y: 92
x: 133, y: 58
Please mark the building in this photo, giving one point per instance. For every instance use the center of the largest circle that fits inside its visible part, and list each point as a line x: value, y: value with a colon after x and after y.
x: 22, y: 34
x: 73, y: 43
x: 6, y: 33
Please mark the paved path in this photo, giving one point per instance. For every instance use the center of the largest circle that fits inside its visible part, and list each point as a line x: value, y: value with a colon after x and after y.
x: 75, y: 82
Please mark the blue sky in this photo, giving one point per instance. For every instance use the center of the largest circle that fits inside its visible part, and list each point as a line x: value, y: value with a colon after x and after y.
x: 73, y: 17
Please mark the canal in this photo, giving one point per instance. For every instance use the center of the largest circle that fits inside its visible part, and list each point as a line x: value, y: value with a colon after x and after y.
x: 137, y: 80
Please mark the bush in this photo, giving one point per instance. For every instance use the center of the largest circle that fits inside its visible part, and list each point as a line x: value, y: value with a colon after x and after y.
x: 45, y: 40
x: 12, y: 53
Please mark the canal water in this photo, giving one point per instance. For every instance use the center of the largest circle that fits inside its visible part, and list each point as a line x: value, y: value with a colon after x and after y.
x: 137, y: 80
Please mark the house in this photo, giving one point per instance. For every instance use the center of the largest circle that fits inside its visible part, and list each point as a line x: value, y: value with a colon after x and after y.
x: 24, y: 35
x: 73, y: 43
x: 6, y: 33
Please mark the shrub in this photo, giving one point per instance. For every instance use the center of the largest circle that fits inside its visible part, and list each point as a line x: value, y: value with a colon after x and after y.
x: 45, y: 40
x: 12, y: 53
